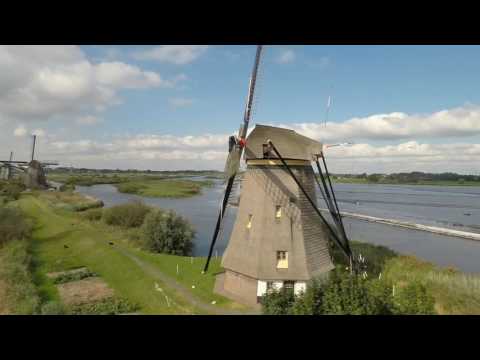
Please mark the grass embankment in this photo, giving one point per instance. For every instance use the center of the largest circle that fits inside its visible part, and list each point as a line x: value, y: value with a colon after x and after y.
x: 70, y: 201
x: 18, y: 294
x: 455, y: 293
x: 62, y: 241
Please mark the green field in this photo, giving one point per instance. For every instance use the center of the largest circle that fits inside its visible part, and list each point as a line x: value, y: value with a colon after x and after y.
x: 132, y: 273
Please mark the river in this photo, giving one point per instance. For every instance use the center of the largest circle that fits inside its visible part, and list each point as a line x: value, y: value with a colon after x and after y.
x: 444, y: 206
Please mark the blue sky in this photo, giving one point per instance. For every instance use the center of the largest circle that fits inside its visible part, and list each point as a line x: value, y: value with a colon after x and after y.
x: 98, y: 96
x: 364, y: 80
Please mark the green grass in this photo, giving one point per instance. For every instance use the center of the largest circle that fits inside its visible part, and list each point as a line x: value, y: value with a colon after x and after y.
x: 454, y: 292
x: 163, y: 188
x: 190, y: 273
x: 20, y: 293
x: 88, y: 246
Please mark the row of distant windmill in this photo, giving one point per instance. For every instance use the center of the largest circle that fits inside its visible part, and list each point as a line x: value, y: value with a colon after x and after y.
x: 31, y: 172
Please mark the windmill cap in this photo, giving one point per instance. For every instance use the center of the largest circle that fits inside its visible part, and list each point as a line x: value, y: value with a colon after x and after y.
x: 289, y: 143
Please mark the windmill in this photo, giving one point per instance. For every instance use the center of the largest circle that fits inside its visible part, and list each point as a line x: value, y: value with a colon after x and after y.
x: 32, y: 171
x: 280, y: 237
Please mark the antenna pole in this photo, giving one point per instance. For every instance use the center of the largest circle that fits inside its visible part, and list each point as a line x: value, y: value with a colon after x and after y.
x: 11, y: 155
x: 33, y: 147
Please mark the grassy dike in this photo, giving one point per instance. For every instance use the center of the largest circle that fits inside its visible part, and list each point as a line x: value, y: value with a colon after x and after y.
x: 62, y: 240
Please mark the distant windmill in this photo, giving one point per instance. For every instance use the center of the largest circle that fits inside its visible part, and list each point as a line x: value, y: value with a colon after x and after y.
x: 280, y: 237
x: 32, y: 171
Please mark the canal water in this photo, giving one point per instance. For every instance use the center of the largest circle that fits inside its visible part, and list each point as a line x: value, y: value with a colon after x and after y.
x: 443, y: 206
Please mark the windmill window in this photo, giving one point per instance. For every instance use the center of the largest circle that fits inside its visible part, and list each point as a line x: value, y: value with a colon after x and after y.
x: 278, y: 212
x: 282, y: 260
x: 249, y: 223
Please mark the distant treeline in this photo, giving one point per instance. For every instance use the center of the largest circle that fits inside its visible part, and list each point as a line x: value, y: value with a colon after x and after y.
x: 129, y: 171
x: 412, y: 177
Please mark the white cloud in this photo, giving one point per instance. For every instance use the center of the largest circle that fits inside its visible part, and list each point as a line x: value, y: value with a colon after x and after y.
x: 405, y: 157
x: 175, y: 54
x: 88, y: 120
x: 180, y: 102
x: 458, y: 122
x: 286, y: 57
x: 41, y: 82
x: 121, y: 75
x: 20, y: 131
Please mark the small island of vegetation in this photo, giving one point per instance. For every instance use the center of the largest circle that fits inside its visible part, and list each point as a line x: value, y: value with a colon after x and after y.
x: 147, y: 183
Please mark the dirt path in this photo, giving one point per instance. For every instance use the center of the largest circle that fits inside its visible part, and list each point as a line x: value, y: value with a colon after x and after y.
x: 184, y: 292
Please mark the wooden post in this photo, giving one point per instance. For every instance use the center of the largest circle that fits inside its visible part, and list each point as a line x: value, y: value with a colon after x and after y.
x: 177, y: 269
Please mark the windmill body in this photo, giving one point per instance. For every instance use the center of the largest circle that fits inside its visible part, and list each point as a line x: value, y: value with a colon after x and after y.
x: 277, y: 239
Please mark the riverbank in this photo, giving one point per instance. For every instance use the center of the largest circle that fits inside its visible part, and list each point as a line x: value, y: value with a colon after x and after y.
x: 63, y: 240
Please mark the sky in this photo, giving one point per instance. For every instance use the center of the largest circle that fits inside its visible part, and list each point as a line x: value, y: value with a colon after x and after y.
x: 171, y: 107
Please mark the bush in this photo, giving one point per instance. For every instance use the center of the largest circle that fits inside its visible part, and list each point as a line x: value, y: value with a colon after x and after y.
x: 130, y: 188
x: 413, y: 299
x: 278, y: 302
x: 310, y: 302
x: 90, y: 205
x: 345, y: 294
x: 111, y: 306
x: 67, y: 187
x: 11, y: 189
x: 75, y: 276
x: 375, y: 256
x: 13, y: 225
x: 126, y: 215
x: 93, y: 214
x: 168, y: 233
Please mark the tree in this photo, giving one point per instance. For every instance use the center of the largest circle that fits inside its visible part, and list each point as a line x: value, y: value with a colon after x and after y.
x: 278, y: 302
x: 168, y: 233
x: 373, y: 178
x: 129, y: 215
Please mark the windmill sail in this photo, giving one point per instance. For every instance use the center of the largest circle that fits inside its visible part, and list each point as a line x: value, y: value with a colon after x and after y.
x: 235, y: 152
